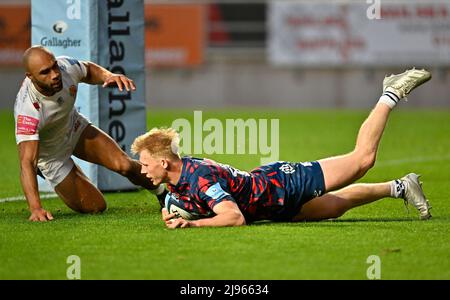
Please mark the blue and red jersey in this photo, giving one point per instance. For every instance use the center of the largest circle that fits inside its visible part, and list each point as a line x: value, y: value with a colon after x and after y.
x: 270, y: 192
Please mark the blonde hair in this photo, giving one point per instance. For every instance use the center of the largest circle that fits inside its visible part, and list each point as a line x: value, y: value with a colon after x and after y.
x: 159, y: 142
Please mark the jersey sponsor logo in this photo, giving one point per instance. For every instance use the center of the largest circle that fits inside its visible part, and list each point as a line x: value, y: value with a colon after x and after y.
x: 216, y: 192
x: 26, y: 125
x: 287, y: 169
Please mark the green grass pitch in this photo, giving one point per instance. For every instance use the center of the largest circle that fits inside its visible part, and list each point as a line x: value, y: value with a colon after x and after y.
x: 129, y: 240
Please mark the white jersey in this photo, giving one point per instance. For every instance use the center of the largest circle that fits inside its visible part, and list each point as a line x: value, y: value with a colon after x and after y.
x: 49, y: 119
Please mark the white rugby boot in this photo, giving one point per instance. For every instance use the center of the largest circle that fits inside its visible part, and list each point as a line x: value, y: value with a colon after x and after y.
x: 400, y: 85
x: 414, y: 195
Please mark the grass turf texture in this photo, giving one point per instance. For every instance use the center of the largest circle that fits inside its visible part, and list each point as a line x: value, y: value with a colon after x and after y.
x: 129, y: 241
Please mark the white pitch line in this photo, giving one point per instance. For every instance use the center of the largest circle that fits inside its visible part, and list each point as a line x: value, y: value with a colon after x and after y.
x: 22, y: 198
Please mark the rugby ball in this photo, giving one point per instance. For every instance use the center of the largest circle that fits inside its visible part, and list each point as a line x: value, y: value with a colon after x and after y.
x: 175, y: 206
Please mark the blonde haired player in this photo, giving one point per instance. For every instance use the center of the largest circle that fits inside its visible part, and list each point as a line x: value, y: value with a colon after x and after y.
x: 220, y: 195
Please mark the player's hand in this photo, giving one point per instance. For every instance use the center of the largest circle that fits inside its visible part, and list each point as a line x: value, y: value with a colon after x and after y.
x: 172, y: 221
x: 177, y: 223
x: 40, y: 215
x: 120, y: 81
x: 165, y: 215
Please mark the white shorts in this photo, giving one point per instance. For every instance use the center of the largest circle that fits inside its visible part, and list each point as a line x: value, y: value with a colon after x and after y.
x: 56, y: 167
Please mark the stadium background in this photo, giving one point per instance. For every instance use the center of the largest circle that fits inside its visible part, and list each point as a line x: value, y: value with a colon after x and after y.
x: 215, y: 56
x: 224, y: 45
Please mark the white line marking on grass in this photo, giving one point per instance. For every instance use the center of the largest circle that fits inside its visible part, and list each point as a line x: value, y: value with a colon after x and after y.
x: 394, y: 162
x: 22, y: 198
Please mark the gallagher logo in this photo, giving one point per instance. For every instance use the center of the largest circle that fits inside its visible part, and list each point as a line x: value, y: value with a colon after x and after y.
x: 60, y: 27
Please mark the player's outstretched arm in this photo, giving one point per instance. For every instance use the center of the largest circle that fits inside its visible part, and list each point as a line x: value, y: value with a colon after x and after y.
x: 28, y: 155
x: 98, y: 75
x: 227, y: 214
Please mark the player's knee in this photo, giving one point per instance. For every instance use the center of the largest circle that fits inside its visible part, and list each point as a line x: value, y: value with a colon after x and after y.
x: 337, y: 209
x: 338, y: 212
x: 100, y: 207
x: 95, y: 207
x: 91, y: 203
x: 366, y: 162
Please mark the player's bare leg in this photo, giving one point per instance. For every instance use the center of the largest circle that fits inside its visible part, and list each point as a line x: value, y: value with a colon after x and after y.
x: 335, y: 204
x: 97, y: 147
x: 78, y: 192
x: 343, y: 170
